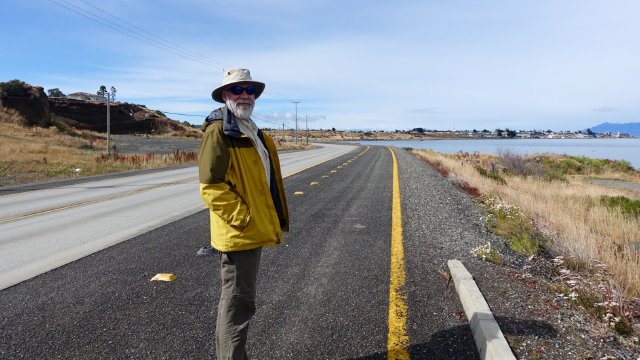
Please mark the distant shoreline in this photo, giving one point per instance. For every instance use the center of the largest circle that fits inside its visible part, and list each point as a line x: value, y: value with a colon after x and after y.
x: 627, y: 149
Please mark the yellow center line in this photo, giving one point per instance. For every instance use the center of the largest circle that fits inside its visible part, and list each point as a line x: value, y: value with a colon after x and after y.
x: 310, y: 166
x: 397, y: 339
x: 92, y: 201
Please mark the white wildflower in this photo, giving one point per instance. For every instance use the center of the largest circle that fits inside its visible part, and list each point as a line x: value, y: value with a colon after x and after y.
x: 559, y: 260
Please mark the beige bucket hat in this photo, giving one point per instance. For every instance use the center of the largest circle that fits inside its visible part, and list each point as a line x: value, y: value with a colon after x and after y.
x: 234, y: 76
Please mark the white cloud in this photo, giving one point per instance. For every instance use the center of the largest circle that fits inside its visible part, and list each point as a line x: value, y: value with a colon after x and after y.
x: 399, y: 65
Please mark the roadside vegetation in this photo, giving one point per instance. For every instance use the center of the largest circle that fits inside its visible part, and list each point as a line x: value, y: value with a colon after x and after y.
x: 30, y: 154
x: 545, y: 206
x: 34, y: 154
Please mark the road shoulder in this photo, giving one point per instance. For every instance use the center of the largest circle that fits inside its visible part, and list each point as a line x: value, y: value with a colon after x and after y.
x: 447, y: 223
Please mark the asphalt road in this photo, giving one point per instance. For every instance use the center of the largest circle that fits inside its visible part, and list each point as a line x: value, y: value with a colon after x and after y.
x: 323, y: 295
x: 42, y: 230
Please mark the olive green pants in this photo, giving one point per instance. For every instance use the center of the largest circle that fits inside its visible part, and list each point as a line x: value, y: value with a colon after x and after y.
x: 238, y: 274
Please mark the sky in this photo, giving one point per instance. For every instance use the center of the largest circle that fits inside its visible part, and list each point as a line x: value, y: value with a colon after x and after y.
x: 367, y: 65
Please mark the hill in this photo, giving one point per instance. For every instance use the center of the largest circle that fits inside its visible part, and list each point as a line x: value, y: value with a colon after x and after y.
x: 632, y: 129
x: 38, y: 109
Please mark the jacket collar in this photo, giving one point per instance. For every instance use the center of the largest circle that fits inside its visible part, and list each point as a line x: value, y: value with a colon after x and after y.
x: 229, y: 123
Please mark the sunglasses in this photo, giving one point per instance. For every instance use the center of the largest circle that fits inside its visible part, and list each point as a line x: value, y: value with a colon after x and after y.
x: 238, y: 90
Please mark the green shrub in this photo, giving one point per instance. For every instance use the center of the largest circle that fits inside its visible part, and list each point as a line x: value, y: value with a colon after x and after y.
x: 627, y: 207
x: 524, y: 243
x: 510, y: 222
x: 553, y: 175
x: 581, y: 165
x: 569, y: 166
x: 14, y: 88
x: 55, y: 93
x: 624, y: 327
x: 493, y: 175
x: 588, y: 301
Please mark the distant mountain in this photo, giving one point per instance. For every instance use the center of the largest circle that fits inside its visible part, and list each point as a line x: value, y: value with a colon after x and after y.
x: 632, y: 129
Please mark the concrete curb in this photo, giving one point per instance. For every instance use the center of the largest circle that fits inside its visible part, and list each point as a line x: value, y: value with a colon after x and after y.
x: 489, y: 339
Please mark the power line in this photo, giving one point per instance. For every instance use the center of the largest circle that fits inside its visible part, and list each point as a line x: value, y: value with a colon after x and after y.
x: 156, y: 36
x: 154, y: 41
x: 277, y: 124
x: 172, y: 113
x: 257, y: 117
x: 138, y: 33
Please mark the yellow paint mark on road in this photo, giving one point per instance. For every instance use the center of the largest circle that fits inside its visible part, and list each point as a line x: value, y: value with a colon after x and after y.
x: 334, y: 171
x: 313, y: 183
x: 397, y: 339
x: 298, y: 193
x: 163, y: 277
x: 325, y: 176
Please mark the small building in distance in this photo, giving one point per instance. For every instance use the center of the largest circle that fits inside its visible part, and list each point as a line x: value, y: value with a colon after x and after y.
x: 620, y: 135
x: 87, y: 96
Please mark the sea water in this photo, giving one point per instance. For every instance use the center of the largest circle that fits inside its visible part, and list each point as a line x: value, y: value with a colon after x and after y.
x: 614, y: 149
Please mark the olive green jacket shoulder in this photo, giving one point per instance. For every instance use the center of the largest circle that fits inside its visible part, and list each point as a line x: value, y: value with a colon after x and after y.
x: 246, y: 213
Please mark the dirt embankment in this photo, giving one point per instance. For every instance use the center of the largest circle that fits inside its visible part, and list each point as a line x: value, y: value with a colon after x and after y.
x: 125, y: 118
x: 38, y: 109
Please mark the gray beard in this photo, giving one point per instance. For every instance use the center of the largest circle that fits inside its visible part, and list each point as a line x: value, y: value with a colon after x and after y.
x: 242, y: 114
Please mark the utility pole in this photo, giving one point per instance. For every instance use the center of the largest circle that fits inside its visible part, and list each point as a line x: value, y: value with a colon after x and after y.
x: 296, y: 133
x: 306, y: 124
x: 108, y: 125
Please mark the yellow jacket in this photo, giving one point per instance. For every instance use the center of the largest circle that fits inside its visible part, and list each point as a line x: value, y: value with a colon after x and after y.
x: 245, y: 212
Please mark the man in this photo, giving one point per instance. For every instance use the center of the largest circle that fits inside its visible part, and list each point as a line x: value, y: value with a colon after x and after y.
x: 241, y: 183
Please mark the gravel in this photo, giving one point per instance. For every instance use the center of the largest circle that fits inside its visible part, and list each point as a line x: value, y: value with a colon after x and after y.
x: 441, y: 223
x: 619, y: 184
x: 139, y: 144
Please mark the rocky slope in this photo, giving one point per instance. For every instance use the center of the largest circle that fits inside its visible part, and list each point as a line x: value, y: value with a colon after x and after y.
x: 40, y: 110
x: 125, y: 118
x: 30, y: 101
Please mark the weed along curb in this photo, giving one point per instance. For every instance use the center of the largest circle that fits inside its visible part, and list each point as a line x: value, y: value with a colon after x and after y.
x: 487, y: 334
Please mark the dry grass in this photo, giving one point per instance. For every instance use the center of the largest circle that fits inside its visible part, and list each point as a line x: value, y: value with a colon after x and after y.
x: 286, y: 145
x: 33, y: 154
x: 581, y: 227
x: 10, y: 116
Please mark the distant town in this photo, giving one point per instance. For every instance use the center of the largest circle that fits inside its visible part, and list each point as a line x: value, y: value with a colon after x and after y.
x: 524, y: 134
